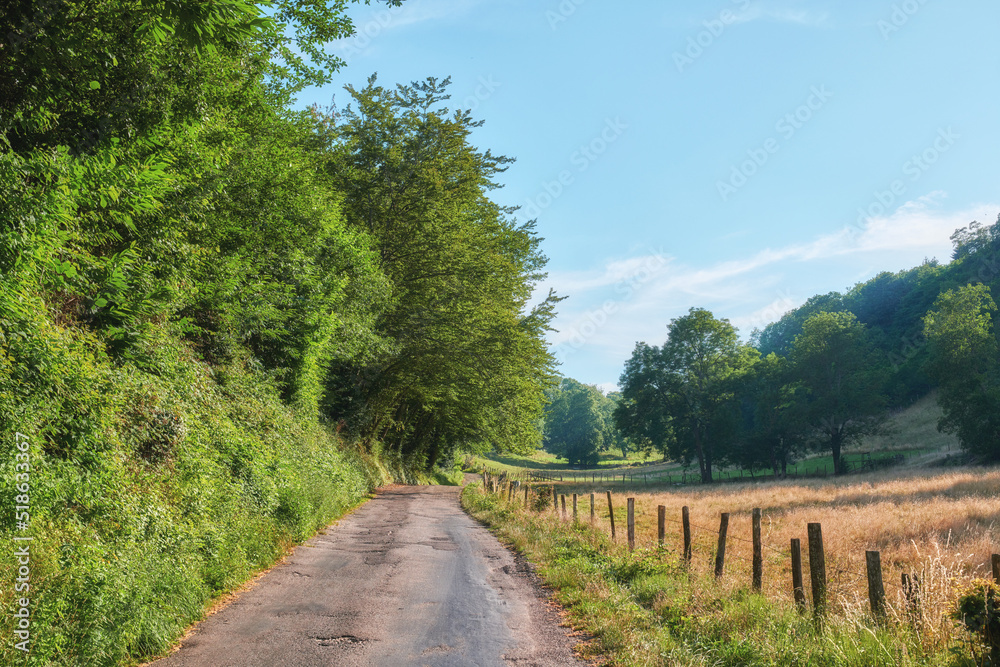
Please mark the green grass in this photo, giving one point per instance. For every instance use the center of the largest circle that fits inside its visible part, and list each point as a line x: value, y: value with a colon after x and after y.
x: 912, y: 433
x: 542, y: 460
x: 156, y: 486
x: 644, y: 608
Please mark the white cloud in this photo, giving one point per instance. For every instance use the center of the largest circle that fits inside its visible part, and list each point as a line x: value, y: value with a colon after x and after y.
x: 613, y: 306
x: 373, y: 22
x: 783, y: 14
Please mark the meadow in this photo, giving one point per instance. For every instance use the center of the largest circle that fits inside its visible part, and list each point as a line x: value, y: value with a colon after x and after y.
x: 936, y: 524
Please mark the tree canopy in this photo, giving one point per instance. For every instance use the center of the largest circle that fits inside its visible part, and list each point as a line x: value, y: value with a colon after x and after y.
x: 965, y: 359
x: 688, y: 384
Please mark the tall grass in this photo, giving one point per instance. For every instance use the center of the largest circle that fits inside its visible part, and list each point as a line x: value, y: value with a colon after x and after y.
x: 936, y: 525
x: 158, y: 483
x: 941, y: 525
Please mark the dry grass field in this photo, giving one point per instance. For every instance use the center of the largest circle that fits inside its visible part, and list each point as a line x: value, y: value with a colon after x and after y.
x: 938, y: 524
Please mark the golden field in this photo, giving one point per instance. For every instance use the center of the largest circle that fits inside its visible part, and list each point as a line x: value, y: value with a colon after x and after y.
x: 939, y: 524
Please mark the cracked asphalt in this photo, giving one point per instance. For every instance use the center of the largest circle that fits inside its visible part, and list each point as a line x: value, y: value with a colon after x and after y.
x: 407, y: 579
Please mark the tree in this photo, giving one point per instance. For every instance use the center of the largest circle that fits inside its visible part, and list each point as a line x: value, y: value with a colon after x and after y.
x: 965, y: 360
x: 688, y: 385
x: 842, y: 378
x: 641, y: 414
x: 778, y: 336
x: 613, y: 437
x: 773, y: 428
x: 464, y: 364
x: 574, y: 423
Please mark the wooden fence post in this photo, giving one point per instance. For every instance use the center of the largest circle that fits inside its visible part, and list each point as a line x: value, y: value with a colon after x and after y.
x: 592, y: 509
x: 686, y: 520
x: 526, y: 489
x: 911, y: 591
x: 611, y: 515
x: 995, y: 559
x: 631, y: 524
x: 798, y: 589
x: 720, y: 554
x: 562, y: 497
x: 555, y: 500
x: 661, y: 524
x: 817, y: 568
x: 876, y: 591
x: 758, y: 552
x: 574, y: 508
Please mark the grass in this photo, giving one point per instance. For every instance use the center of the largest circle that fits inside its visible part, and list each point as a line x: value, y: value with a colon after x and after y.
x: 929, y: 523
x: 647, y: 608
x: 156, y: 487
x: 542, y: 460
x: 912, y: 434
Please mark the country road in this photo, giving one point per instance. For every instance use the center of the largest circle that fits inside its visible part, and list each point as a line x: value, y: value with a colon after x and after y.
x: 407, y: 579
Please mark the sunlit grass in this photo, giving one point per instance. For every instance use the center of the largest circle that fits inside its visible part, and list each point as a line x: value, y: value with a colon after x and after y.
x: 936, y: 524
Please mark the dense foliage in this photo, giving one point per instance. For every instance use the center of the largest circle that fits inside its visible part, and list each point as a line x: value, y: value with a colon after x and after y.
x: 200, y: 287
x: 824, y: 374
x: 577, y: 423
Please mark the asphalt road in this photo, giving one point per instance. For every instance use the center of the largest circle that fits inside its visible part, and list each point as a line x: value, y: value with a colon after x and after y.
x: 407, y: 579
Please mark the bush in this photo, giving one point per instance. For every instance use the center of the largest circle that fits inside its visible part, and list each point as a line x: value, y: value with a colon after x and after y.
x: 978, y: 609
x: 153, y: 488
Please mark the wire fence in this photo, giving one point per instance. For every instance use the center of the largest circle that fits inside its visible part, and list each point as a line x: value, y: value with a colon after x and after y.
x: 818, y: 581
x: 638, y: 477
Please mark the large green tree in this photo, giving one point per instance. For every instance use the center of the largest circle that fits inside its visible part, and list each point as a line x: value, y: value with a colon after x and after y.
x: 613, y: 437
x: 575, y: 426
x: 641, y: 414
x: 773, y: 428
x: 465, y: 363
x: 965, y: 359
x: 681, y: 395
x: 842, y: 377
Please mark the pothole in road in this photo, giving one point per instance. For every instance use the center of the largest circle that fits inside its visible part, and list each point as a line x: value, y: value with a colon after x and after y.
x: 340, y: 640
x: 441, y: 544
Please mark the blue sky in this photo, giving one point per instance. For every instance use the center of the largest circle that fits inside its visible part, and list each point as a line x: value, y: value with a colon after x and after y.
x: 736, y: 155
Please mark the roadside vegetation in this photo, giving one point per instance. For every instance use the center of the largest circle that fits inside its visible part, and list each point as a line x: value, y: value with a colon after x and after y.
x: 223, y: 320
x: 649, y: 608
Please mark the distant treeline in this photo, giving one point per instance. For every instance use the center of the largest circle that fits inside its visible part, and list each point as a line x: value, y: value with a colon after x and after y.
x: 821, y: 377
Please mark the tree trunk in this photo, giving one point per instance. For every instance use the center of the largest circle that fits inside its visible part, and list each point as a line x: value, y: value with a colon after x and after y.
x: 704, y: 459
x: 836, y: 442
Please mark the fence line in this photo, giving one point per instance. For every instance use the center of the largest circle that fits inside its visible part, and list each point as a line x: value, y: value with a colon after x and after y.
x: 684, y: 478
x: 820, y: 577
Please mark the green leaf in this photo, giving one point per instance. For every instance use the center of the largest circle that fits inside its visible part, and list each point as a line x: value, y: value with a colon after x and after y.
x: 94, y: 85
